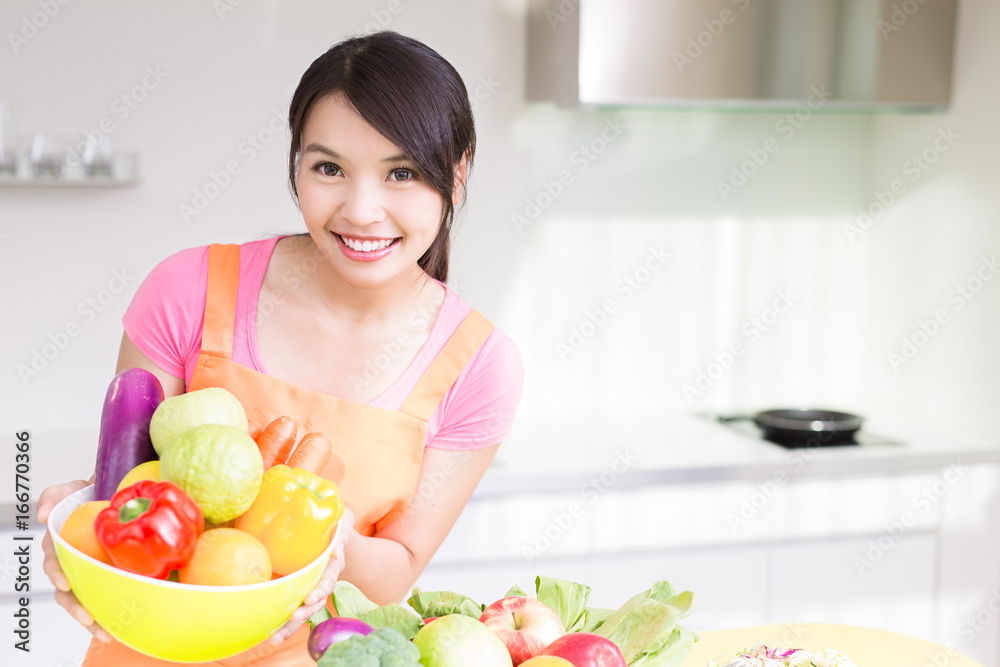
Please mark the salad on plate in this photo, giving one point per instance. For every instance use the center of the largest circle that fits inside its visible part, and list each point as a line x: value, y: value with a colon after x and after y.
x: 762, y: 656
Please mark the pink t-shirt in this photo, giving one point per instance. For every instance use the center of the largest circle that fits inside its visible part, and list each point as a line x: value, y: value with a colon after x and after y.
x: 164, y: 321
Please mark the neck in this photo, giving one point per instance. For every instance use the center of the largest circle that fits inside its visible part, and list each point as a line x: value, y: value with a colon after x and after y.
x: 362, y: 305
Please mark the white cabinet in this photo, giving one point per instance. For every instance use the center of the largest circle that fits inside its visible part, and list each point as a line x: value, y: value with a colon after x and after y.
x: 915, y: 552
x: 824, y: 582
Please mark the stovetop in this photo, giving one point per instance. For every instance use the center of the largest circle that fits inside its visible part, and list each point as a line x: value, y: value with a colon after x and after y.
x: 862, y: 437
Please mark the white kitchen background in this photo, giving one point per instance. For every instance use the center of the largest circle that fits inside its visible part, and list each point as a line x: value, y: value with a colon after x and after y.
x: 541, y: 259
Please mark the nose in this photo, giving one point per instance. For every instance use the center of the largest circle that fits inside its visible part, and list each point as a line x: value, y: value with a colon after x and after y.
x: 364, y: 203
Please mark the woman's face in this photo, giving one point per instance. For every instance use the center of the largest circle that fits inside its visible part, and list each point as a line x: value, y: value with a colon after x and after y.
x: 365, y: 206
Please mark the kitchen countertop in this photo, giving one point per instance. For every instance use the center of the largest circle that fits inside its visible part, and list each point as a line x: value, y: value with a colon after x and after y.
x: 558, y: 453
x: 554, y: 453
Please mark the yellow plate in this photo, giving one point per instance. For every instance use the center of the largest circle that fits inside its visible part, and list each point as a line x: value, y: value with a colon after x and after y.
x: 865, y: 646
x: 180, y: 622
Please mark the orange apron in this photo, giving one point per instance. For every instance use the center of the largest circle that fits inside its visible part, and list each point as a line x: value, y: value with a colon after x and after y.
x: 377, y: 452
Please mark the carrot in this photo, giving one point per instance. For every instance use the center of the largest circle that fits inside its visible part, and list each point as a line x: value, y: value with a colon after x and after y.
x: 276, y: 441
x: 312, y: 453
x: 253, y: 429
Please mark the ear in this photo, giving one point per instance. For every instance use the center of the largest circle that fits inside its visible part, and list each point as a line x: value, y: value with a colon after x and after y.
x: 461, y: 175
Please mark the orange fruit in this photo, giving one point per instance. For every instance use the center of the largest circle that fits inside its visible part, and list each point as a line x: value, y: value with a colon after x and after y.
x: 227, y: 557
x: 78, y: 529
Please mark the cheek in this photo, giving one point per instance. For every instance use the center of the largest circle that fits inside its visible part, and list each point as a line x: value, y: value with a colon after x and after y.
x: 430, y: 208
x: 309, y: 203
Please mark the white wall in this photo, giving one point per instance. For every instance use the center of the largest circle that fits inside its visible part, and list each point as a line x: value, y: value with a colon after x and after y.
x: 655, y: 185
x: 934, y: 238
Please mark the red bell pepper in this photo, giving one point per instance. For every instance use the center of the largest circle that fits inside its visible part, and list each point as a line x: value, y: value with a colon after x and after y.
x: 150, y: 528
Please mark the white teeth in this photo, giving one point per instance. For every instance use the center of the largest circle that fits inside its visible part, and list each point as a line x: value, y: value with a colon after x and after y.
x: 365, y: 246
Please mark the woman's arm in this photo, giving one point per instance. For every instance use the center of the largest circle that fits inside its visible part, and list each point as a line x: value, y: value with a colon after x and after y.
x: 385, y: 566
x: 129, y: 356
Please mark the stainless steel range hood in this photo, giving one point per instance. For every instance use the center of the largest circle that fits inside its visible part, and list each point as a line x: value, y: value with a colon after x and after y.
x: 860, y: 54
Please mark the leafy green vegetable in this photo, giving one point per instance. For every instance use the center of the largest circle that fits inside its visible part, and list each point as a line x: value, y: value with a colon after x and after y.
x: 593, y: 618
x: 349, y: 601
x: 662, y: 590
x: 515, y: 590
x: 322, y: 615
x: 393, y: 616
x: 382, y: 648
x: 352, y: 603
x: 566, y: 598
x: 442, y: 603
x: 674, y: 653
x: 644, y: 627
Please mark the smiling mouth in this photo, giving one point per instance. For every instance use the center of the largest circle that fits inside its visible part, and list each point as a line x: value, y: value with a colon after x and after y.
x: 368, y: 245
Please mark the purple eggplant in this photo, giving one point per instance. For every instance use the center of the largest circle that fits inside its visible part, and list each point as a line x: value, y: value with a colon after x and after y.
x: 334, y: 630
x: 124, y: 441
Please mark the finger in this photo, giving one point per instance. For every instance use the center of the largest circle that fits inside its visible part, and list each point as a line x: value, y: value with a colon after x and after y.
x: 327, y: 583
x: 51, y: 496
x: 346, y: 532
x: 69, y: 602
x: 285, y: 632
x: 51, y: 565
x: 45, y: 505
x: 298, y: 617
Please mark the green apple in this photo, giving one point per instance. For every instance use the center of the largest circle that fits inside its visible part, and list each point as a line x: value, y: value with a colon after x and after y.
x: 457, y: 640
x: 177, y: 414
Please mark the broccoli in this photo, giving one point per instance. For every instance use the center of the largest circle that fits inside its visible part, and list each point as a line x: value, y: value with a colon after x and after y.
x: 384, y: 647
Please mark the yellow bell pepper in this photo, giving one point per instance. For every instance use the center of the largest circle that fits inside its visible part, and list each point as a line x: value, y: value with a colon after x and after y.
x: 294, y: 516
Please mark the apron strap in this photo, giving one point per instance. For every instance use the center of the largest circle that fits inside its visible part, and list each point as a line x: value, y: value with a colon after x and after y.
x: 220, y: 300
x: 447, y: 366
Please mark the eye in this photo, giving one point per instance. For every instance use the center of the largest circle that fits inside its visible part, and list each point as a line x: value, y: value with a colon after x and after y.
x: 326, y: 169
x: 401, y: 174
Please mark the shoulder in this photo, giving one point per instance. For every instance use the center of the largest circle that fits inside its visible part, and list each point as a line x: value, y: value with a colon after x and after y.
x: 498, y: 354
x: 182, y: 263
x: 175, y: 277
x: 190, y: 265
x: 480, y: 407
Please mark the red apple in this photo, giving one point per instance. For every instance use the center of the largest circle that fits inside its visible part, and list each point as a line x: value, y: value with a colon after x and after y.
x: 585, y: 649
x: 523, y: 624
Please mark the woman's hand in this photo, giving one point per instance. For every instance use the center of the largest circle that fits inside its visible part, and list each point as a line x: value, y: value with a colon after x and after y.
x: 316, y: 599
x: 50, y: 498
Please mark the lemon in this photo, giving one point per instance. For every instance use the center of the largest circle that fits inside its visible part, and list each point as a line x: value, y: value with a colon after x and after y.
x: 149, y: 470
x: 219, y: 466
x: 175, y: 415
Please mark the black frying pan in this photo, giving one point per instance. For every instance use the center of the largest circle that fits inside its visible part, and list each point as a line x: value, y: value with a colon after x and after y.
x: 805, y: 428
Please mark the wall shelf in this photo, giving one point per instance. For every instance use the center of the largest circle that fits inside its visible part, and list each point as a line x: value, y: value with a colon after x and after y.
x: 69, y: 182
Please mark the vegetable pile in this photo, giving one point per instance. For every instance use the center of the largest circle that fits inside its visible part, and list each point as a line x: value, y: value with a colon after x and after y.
x: 384, y: 647
x: 644, y: 630
x: 171, y: 471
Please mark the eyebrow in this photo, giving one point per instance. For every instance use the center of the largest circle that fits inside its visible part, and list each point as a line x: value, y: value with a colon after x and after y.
x: 320, y: 148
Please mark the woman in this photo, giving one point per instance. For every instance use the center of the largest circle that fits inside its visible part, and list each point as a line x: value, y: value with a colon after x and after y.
x: 349, y: 328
